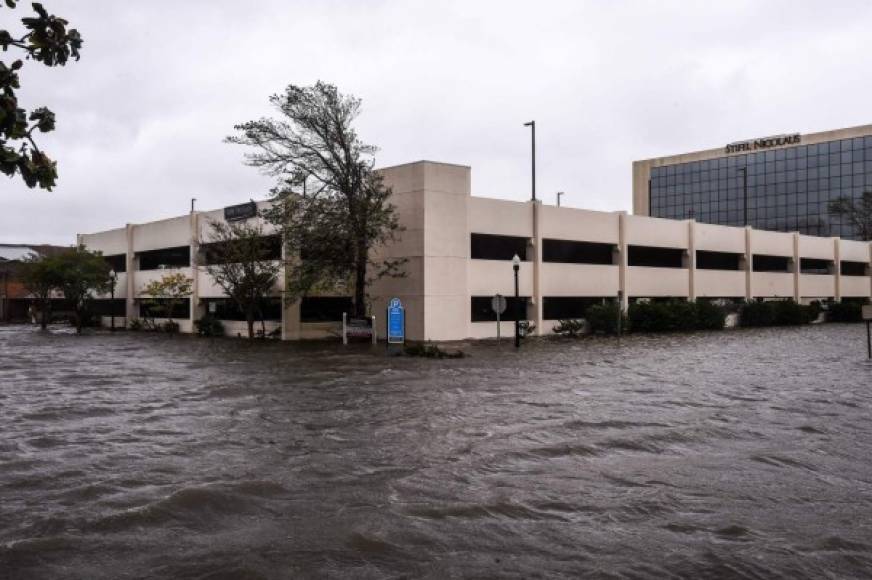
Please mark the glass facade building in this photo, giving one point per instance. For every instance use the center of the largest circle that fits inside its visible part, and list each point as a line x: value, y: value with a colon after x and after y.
x: 788, y: 189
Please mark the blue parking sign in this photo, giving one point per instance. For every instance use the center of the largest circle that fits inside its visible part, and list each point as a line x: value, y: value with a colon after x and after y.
x: 396, y: 322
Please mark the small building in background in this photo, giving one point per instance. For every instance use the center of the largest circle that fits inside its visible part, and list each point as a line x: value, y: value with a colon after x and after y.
x: 15, y: 300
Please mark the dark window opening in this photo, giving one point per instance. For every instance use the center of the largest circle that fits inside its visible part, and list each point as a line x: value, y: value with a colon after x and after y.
x: 157, y: 308
x: 117, y: 262
x: 815, y: 266
x: 324, y: 308
x: 706, y: 260
x: 854, y: 268
x: 482, y: 311
x: 569, y: 252
x: 655, y: 257
x: 227, y: 309
x: 270, y: 248
x: 764, y: 263
x: 569, y: 307
x: 179, y: 257
x: 109, y: 307
x: 491, y: 247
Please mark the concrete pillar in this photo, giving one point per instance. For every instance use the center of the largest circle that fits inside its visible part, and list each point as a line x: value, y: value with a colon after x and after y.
x: 796, y: 268
x: 749, y: 264
x: 131, y: 266
x: 691, y: 260
x: 623, y: 268
x: 837, y: 268
x: 195, y: 269
x: 537, y: 266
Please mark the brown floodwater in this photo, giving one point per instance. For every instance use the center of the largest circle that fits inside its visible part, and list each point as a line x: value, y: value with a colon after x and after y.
x: 738, y: 454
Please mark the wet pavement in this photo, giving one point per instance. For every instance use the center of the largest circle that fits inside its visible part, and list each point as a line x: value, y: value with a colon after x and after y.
x: 741, y: 454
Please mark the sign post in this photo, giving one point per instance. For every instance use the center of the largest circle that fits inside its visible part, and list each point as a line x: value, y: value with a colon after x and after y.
x: 498, y: 305
x: 396, y: 322
x: 867, y: 316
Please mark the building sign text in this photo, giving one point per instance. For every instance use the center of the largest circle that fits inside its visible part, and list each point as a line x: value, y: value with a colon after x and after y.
x: 764, y: 143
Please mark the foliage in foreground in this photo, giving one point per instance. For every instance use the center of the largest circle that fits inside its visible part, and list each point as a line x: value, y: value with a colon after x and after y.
x: 46, y: 39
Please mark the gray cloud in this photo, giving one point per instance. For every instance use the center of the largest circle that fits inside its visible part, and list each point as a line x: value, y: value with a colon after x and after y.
x: 142, y: 116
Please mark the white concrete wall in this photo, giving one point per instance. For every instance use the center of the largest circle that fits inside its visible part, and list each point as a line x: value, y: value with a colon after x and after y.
x: 719, y: 284
x: 434, y: 205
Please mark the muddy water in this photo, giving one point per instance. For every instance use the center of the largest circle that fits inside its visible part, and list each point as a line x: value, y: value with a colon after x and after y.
x: 741, y: 454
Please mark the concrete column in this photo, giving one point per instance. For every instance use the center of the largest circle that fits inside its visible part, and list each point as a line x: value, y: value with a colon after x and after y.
x: 131, y: 266
x: 749, y: 264
x: 691, y: 260
x: 195, y: 270
x: 537, y: 265
x: 796, y: 268
x: 837, y: 268
x: 623, y: 268
x: 291, y: 324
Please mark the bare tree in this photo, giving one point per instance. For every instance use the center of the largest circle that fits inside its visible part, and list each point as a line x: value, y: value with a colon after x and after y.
x: 242, y: 265
x: 857, y: 212
x: 329, y: 204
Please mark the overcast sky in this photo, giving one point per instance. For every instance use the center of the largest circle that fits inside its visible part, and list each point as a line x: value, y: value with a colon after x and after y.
x: 142, y: 115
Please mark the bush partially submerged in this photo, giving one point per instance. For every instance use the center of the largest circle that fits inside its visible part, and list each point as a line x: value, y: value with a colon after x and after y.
x: 776, y: 313
x: 209, y: 326
x: 431, y: 351
x: 571, y: 328
x: 603, y: 318
x: 845, y: 312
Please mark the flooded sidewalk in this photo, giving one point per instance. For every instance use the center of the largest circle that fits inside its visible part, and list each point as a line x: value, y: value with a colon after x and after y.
x: 729, y: 454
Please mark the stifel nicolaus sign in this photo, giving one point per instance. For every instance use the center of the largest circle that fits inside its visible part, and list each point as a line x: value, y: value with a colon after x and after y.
x: 764, y: 143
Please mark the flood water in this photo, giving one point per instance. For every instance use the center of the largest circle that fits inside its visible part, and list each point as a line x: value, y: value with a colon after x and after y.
x: 741, y: 454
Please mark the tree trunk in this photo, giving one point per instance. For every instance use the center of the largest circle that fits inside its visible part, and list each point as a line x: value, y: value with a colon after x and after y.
x: 249, y: 320
x: 43, y: 318
x: 360, y: 282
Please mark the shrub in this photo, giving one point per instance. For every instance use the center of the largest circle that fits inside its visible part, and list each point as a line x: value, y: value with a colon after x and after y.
x: 135, y: 324
x: 209, y: 326
x: 662, y: 316
x: 431, y: 351
x: 789, y: 313
x: 570, y: 328
x: 758, y: 313
x: 710, y: 316
x: 170, y: 327
x: 526, y: 328
x: 603, y: 318
x: 845, y: 312
x: 776, y: 313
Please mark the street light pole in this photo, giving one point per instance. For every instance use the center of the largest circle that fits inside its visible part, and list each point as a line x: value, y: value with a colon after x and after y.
x: 559, y: 195
x: 516, y: 265
x: 113, y: 276
x: 744, y: 171
x: 532, y: 125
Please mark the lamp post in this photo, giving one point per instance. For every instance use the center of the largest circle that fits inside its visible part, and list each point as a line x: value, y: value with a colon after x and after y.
x: 516, y: 265
x: 113, y: 279
x: 559, y: 195
x: 532, y: 125
x: 744, y: 171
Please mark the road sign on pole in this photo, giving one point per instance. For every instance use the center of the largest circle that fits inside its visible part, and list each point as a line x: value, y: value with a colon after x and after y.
x: 498, y: 305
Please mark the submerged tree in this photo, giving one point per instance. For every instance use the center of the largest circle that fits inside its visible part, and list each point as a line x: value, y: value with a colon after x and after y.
x: 857, y: 212
x: 171, y: 290
x: 330, y: 205
x: 242, y: 265
x: 46, y: 40
x: 41, y: 275
x: 82, y: 274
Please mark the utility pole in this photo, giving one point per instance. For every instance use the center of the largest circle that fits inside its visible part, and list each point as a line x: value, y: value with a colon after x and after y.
x: 559, y: 195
